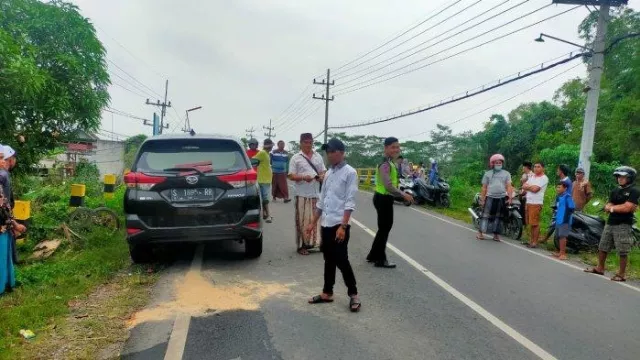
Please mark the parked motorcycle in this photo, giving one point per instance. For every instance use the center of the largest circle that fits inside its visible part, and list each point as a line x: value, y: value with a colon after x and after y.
x: 586, y: 231
x: 405, y: 186
x: 437, y: 194
x: 512, y: 226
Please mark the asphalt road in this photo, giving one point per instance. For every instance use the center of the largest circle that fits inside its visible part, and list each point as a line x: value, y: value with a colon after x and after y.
x: 451, y: 297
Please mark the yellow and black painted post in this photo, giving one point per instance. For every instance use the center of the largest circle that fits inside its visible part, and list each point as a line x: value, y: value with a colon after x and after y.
x: 77, y: 195
x: 109, y: 185
x: 22, y: 215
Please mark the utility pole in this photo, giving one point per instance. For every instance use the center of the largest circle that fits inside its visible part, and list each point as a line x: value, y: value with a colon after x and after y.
x: 155, y: 123
x: 595, y: 74
x: 249, y: 132
x: 593, y: 94
x: 270, y: 129
x: 164, y: 105
x: 326, y: 99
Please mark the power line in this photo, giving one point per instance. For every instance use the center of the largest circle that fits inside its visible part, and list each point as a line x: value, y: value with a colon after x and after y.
x: 130, y: 53
x: 122, y: 113
x: 295, y: 115
x: 362, y: 85
x: 439, y: 35
x: 128, y: 90
x: 468, y: 95
x: 502, y: 101
x: 397, y: 36
x: 133, y: 78
x: 303, y: 117
x: 412, y: 37
x: 300, y: 97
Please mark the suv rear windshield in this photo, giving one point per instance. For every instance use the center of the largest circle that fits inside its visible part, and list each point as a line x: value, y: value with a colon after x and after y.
x: 222, y: 156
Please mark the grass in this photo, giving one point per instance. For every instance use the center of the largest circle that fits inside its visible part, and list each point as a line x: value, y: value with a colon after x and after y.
x: 52, y: 289
x: 462, y: 196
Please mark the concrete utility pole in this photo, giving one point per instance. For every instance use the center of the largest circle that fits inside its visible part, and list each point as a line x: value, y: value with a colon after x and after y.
x: 593, y: 94
x: 270, y: 134
x: 155, y: 123
x: 164, y: 105
x: 595, y: 74
x: 326, y: 99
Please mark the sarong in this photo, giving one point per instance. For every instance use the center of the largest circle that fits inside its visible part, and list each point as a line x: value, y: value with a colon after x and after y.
x: 279, y: 186
x: 305, y: 208
x: 7, y: 272
x: 493, y: 214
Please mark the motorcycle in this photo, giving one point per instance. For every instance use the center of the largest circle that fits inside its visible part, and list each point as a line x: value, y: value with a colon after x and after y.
x: 405, y: 186
x: 585, y: 232
x: 512, y: 226
x: 437, y: 194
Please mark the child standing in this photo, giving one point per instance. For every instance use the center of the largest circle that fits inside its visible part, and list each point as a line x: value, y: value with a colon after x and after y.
x: 566, y: 207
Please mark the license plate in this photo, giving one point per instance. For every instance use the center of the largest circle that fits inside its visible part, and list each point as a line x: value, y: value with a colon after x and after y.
x: 192, y: 195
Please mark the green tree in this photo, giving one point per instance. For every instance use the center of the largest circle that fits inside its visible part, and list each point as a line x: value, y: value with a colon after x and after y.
x: 53, y: 75
x: 131, y: 146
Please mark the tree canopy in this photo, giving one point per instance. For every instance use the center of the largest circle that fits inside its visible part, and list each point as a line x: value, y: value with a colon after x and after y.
x: 53, y: 75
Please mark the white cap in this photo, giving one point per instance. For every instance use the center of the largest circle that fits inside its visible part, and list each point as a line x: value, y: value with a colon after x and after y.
x: 8, y: 151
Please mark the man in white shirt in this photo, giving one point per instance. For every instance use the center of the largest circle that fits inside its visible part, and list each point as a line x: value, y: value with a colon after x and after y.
x: 535, y: 188
x: 337, y: 201
x: 306, y: 169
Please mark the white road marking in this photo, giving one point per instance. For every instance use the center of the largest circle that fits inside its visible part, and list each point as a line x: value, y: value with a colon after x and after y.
x: 528, y: 344
x: 178, y: 337
x: 537, y: 253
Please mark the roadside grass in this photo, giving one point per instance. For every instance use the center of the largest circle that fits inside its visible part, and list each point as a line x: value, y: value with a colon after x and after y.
x: 462, y: 197
x: 50, y: 290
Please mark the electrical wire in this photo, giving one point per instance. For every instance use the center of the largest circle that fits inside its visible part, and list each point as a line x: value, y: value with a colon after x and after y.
x: 439, y: 35
x: 300, y: 109
x: 468, y: 95
x: 302, y: 118
x: 364, y: 84
x: 130, y: 53
x: 502, y: 101
x: 155, y: 94
x: 124, y: 114
x: 397, y: 36
x: 298, y: 98
x: 409, y: 39
x: 128, y: 90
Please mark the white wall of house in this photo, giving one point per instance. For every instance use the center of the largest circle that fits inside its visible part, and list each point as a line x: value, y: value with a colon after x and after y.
x: 108, y: 157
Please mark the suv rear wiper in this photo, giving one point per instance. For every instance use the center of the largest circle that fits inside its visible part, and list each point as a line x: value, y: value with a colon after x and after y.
x: 185, y: 169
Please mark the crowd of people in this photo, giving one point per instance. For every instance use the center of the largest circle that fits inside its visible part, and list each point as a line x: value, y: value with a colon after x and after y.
x: 498, y: 191
x: 326, y: 196
x: 10, y: 229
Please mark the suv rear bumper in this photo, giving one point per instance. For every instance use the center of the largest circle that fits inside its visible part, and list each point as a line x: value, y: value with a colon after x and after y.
x: 249, y: 228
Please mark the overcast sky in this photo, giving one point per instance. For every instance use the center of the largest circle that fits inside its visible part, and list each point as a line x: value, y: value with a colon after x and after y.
x: 247, y: 61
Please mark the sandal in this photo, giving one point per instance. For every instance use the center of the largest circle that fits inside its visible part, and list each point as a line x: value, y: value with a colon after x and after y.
x: 496, y: 238
x: 479, y: 237
x: 593, y: 271
x: 318, y: 299
x: 303, y: 251
x: 618, y: 278
x: 355, y: 304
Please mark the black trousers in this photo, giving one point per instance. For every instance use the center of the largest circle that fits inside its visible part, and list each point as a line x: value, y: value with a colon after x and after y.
x: 384, y: 208
x: 336, y: 256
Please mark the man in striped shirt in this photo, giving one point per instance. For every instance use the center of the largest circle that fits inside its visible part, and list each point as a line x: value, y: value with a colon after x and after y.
x: 279, y: 165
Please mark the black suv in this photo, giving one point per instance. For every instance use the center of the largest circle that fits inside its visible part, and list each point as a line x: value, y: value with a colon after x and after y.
x: 191, y: 188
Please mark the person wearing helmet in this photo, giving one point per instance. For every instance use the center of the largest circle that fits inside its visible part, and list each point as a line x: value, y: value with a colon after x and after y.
x: 496, y: 193
x: 618, y: 233
x: 253, y: 148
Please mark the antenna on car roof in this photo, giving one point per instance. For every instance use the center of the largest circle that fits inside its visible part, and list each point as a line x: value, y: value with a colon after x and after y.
x: 192, y: 132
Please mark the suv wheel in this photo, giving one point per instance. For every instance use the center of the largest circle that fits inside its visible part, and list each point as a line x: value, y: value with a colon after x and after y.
x: 253, y: 248
x: 141, y: 254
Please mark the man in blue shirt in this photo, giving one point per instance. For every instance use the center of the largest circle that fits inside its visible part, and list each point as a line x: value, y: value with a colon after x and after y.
x: 279, y: 165
x: 565, y: 209
x: 337, y: 201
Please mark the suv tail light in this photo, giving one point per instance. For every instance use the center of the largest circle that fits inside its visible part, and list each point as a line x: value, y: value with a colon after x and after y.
x: 241, y: 179
x: 140, y: 181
